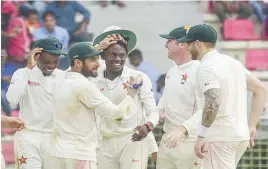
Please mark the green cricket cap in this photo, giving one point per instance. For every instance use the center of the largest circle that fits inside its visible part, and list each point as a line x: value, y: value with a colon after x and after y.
x: 202, y: 32
x: 176, y: 33
x: 82, y: 50
x: 51, y: 45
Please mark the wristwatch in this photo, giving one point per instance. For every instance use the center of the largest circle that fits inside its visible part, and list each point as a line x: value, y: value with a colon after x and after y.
x: 149, y: 126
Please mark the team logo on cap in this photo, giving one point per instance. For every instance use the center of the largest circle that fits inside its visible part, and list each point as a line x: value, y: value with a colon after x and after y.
x: 187, y: 27
x: 76, y: 56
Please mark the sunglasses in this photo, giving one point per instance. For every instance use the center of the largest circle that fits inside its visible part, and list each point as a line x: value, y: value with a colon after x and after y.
x: 58, y: 45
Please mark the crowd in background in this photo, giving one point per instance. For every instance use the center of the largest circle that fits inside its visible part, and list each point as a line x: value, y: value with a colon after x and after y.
x: 24, y: 22
x: 243, y: 9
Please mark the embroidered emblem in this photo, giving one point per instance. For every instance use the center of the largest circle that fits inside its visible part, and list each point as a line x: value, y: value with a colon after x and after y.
x: 22, y: 160
x: 187, y: 27
x: 184, y: 78
x: 30, y: 83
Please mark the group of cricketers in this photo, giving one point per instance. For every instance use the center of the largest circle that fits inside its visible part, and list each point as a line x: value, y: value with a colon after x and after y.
x: 71, y: 122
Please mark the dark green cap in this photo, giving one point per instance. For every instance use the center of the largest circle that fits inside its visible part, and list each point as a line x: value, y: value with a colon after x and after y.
x: 176, y: 33
x: 202, y: 32
x: 82, y: 50
x: 51, y: 45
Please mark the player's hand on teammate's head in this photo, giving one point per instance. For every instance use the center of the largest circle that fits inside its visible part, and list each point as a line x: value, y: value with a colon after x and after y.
x: 133, y: 85
x: 33, y: 56
x: 140, y: 133
x: 108, y: 41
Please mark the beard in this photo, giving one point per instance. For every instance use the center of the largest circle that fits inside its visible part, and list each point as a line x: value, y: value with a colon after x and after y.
x: 87, y: 73
x: 194, y: 54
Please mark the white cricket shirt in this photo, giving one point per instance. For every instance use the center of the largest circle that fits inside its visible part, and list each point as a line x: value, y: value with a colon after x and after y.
x: 180, y: 102
x: 143, y: 111
x: 32, y: 90
x: 76, y: 101
x: 229, y: 75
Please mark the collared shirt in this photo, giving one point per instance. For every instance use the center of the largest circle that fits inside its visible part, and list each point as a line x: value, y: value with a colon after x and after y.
x: 60, y: 33
x: 143, y: 111
x: 180, y: 101
x: 151, y: 72
x: 32, y: 90
x: 229, y: 76
x: 66, y: 15
x: 76, y: 101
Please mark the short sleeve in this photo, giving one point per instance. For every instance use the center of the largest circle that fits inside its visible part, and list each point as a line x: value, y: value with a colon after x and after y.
x: 247, y: 73
x: 207, y: 78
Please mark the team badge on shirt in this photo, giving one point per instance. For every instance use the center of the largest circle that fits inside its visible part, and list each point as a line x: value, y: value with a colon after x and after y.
x: 184, y: 78
x: 22, y: 160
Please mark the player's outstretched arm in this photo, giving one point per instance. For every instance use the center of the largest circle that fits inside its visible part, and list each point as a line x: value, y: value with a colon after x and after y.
x: 93, y: 98
x: 12, y: 122
x: 148, y: 100
x: 257, y: 104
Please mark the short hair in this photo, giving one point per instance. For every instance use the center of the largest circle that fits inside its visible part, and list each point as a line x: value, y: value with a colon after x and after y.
x: 80, y: 58
x: 32, y: 12
x: 48, y: 13
x: 135, y: 52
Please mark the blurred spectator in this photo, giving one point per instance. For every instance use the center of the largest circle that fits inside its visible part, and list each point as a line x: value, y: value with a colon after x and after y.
x: 18, y: 40
x: 256, y: 5
x: 40, y: 6
x: 120, y: 4
x: 51, y: 29
x: 136, y: 60
x: 224, y: 8
x: 31, y: 21
x: 8, y: 10
x: 65, y: 12
x: 8, y: 68
x: 266, y: 18
x: 160, y: 84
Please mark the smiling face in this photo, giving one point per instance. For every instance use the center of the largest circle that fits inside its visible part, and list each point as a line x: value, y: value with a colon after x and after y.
x: 47, y: 63
x: 115, y: 57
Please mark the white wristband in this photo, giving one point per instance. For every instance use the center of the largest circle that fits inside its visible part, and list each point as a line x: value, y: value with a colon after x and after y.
x: 202, y: 131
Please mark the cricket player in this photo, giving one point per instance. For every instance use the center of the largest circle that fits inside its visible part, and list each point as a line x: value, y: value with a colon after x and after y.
x: 223, y: 82
x: 74, y: 137
x: 120, y: 147
x: 180, y: 105
x: 31, y: 88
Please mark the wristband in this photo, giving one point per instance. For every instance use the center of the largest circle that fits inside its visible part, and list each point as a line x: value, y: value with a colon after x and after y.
x: 202, y: 131
x: 149, y: 126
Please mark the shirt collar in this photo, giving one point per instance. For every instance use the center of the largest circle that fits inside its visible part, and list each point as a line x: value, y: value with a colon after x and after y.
x: 125, y: 73
x: 186, y: 64
x: 209, y: 55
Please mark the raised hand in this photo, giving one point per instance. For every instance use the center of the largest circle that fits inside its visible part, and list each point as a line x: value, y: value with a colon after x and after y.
x: 33, y: 56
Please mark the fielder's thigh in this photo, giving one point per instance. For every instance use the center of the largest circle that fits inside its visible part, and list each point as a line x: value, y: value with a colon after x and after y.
x: 29, y: 147
x: 134, y: 154
x: 52, y: 162
x: 108, y: 154
x: 240, y: 150
x: 180, y: 157
x: 221, y: 155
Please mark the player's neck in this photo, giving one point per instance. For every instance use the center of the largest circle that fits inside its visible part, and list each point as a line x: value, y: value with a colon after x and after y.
x: 182, y: 60
x: 204, y: 52
x: 111, y: 75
